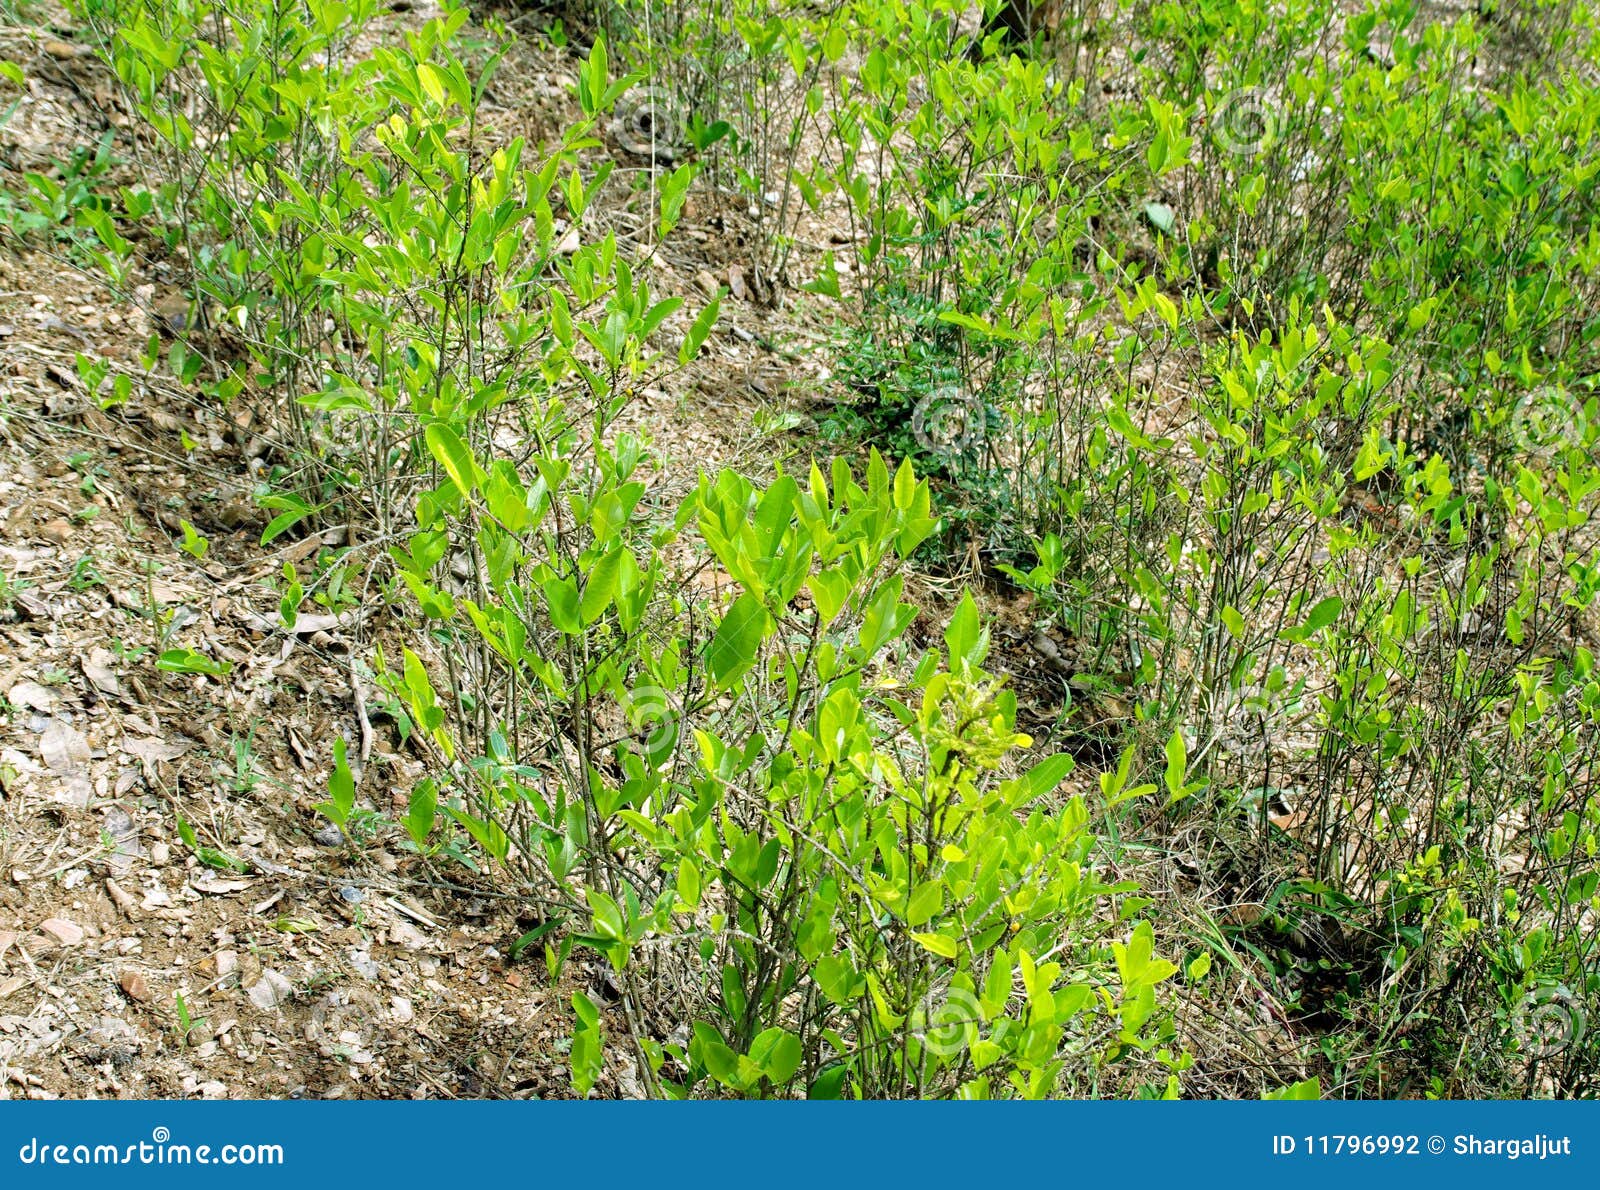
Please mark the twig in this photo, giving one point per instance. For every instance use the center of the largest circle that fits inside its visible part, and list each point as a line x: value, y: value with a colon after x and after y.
x: 360, y: 693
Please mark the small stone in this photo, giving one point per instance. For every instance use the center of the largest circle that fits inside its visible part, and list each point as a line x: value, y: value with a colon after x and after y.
x: 363, y: 964
x: 227, y: 963
x: 133, y: 986
x: 33, y: 696
x: 56, y: 532
x: 124, y: 837
x: 99, y: 668
x: 403, y: 933
x: 112, y: 1030
x: 329, y: 836
x: 352, y: 895
x: 270, y: 991
x: 160, y: 854
x: 63, y: 931
x: 120, y: 897
x: 66, y: 751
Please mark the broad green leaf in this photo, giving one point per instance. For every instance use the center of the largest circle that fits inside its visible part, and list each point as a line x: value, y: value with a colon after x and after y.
x: 600, y: 587
x: 962, y: 635
x: 700, y: 330
x: 941, y: 945
x: 1310, y: 1088
x: 777, y: 1052
x: 1177, y: 763
x: 422, y: 811
x: 453, y: 455
x: 1043, y: 777
x: 431, y: 83
x: 738, y: 639
x: 927, y: 899
x: 1324, y: 614
x: 188, y: 661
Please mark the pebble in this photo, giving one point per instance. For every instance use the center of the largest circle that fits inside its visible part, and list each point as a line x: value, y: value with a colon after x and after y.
x: 57, y: 532
x: 363, y: 964
x: 33, y: 696
x: 134, y: 986
x: 111, y: 1030
x: 271, y: 990
x: 63, y: 931
x: 403, y: 933
x: 227, y: 963
x: 353, y: 895
x: 329, y: 836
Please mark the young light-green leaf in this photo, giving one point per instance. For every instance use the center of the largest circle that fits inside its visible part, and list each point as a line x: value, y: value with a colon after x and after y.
x: 453, y: 455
